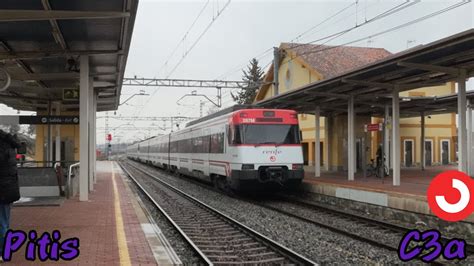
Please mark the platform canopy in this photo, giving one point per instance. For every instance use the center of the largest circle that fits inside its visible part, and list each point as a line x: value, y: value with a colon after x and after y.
x: 41, y: 42
x: 372, y: 85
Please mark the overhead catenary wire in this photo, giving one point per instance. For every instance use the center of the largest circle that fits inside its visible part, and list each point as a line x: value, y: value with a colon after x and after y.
x: 183, y: 39
x: 214, y: 18
x: 198, y: 38
x: 267, y: 51
x: 436, y: 13
x: 390, y: 11
x: 384, y: 14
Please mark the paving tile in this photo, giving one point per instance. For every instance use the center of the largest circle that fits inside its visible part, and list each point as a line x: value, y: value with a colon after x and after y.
x: 92, y: 222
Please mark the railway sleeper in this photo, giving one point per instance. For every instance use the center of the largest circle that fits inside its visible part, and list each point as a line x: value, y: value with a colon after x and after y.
x: 225, y: 241
x: 204, y: 247
x: 217, y: 251
x: 222, y: 238
x: 254, y: 262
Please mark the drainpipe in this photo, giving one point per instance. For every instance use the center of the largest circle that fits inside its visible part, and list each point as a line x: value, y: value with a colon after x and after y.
x: 276, y: 68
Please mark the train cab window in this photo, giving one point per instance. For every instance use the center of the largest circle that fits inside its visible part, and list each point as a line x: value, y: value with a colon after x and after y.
x: 266, y: 134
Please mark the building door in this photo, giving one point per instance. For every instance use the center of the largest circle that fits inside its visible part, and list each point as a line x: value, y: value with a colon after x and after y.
x: 445, y: 151
x: 428, y: 152
x: 358, y: 154
x: 321, y: 152
x: 305, y: 152
x: 408, y: 147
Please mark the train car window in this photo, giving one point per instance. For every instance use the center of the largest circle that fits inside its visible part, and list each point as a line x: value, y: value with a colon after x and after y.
x: 205, y: 144
x: 230, y: 134
x: 217, y: 143
x: 220, y: 141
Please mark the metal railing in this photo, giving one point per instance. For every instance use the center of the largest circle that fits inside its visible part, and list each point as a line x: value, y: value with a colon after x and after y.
x: 73, y: 170
x: 38, y: 164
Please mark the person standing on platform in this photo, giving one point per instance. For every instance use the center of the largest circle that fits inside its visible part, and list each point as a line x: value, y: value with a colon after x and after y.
x: 9, y: 188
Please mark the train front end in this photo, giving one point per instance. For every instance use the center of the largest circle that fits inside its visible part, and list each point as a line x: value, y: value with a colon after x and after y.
x: 265, y: 148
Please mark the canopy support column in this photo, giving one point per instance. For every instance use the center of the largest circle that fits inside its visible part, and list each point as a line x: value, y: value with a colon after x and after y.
x: 470, y: 155
x: 91, y: 134
x: 94, y: 136
x: 386, y: 147
x: 58, y: 135
x: 327, y: 146
x: 84, y: 128
x: 462, y: 136
x: 422, y: 142
x: 351, y: 139
x: 317, y: 141
x: 396, y: 136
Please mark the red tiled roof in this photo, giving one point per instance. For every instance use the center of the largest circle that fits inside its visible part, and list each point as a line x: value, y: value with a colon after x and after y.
x: 331, y: 61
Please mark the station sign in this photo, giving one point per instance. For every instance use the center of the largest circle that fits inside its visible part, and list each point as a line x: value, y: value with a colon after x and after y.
x: 373, y: 127
x: 71, y: 94
x: 49, y: 120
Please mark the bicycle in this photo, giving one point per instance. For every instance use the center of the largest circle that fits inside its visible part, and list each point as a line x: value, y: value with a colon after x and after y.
x: 373, y: 168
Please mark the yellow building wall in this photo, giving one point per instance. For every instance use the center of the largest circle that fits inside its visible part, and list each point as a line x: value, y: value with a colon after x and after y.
x: 68, y: 132
x: 437, y: 127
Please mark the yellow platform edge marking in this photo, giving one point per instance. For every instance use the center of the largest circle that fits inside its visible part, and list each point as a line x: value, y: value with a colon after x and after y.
x: 121, y: 238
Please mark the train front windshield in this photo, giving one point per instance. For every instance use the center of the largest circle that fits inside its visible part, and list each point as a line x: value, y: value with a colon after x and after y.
x: 266, y: 134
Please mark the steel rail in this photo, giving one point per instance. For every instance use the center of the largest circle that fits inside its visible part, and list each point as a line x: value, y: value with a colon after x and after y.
x: 391, y: 226
x: 273, y: 245
x: 170, y: 220
x: 387, y: 225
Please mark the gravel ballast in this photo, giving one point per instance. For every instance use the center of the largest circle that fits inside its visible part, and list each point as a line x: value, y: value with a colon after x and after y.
x: 316, y: 243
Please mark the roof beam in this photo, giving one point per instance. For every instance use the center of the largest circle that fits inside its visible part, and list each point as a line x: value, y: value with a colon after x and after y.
x: 369, y: 83
x: 58, y: 36
x: 431, y: 68
x: 327, y: 94
x: 7, y: 15
x: 53, y: 53
x: 53, y: 76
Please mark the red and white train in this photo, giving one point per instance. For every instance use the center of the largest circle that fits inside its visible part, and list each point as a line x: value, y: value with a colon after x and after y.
x: 236, y: 148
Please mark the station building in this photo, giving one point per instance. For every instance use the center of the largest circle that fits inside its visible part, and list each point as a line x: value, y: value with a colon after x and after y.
x: 302, y: 64
x: 340, y: 92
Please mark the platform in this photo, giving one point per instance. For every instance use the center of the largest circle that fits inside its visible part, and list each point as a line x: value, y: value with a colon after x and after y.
x: 110, y: 226
x: 409, y: 196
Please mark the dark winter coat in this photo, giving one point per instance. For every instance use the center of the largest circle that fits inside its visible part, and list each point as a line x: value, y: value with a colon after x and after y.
x: 9, y: 189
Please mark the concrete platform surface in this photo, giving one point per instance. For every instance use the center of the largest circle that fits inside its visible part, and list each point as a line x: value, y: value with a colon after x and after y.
x: 413, y: 181
x: 108, y: 227
x: 410, y: 196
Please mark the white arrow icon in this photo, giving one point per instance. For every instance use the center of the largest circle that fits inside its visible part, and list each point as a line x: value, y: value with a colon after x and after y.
x: 461, y: 204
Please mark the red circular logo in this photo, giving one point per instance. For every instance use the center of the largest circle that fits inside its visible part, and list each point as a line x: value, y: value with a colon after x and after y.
x: 450, y: 196
x: 273, y: 158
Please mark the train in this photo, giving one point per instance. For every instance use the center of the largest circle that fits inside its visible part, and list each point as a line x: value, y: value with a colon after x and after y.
x: 238, y: 148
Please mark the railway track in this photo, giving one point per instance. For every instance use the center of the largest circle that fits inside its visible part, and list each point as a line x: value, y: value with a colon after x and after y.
x: 217, y: 238
x: 381, y: 234
x: 352, y: 225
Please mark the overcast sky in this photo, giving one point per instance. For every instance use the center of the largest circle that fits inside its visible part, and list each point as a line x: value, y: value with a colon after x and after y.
x: 244, y: 30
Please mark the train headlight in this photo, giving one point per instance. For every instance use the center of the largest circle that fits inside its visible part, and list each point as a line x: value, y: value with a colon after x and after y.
x: 248, y: 166
x: 296, y: 166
